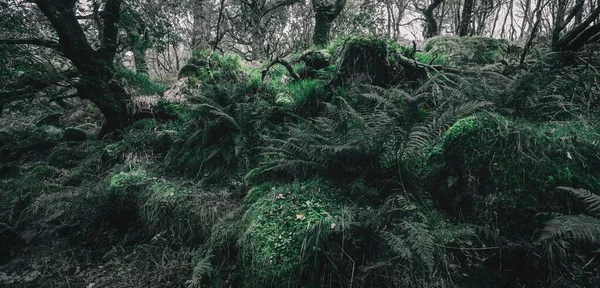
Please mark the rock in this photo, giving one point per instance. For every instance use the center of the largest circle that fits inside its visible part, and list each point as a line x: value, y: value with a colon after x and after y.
x: 74, y: 134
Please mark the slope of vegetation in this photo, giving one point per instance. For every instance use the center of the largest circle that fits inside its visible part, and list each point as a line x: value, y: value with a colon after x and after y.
x: 362, y: 163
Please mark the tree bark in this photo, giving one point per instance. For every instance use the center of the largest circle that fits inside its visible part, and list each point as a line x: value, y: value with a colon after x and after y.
x: 325, y: 13
x: 465, y: 19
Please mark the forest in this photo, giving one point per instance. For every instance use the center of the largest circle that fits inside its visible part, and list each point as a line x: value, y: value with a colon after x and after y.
x: 293, y: 143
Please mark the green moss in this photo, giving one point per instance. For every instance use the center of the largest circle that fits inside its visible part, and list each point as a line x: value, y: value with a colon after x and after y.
x: 276, y: 224
x: 127, y: 183
x: 463, y: 128
x: 496, y: 167
x: 431, y: 58
x: 468, y: 50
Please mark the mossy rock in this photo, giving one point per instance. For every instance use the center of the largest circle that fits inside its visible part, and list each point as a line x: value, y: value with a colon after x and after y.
x: 468, y: 50
x: 218, y: 76
x: 75, y: 178
x: 276, y: 223
x: 31, y: 142
x: 159, y: 207
x: 74, y: 134
x: 494, y: 168
x: 111, y: 153
x: 66, y: 157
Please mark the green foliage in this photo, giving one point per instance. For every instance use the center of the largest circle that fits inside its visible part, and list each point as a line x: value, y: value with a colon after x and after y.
x: 140, y: 82
x: 276, y: 225
x: 468, y: 50
x: 219, y: 77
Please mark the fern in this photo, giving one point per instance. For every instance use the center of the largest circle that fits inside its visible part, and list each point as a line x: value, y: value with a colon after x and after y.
x: 563, y: 232
x: 590, y: 200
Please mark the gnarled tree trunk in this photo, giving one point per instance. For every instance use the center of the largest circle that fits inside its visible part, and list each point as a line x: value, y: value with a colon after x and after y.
x: 431, y: 25
x: 325, y: 12
x: 94, y: 66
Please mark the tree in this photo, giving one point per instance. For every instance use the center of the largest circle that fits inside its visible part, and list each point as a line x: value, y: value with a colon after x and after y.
x: 137, y: 38
x: 465, y: 19
x: 96, y: 78
x: 431, y: 25
x: 201, y: 26
x: 581, y: 34
x: 325, y: 13
x: 257, y: 15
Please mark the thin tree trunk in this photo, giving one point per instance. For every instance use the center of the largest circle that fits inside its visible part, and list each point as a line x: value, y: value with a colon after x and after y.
x: 525, y: 18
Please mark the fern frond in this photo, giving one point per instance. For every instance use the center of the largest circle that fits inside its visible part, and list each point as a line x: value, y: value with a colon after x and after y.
x: 590, y: 200
x: 579, y: 230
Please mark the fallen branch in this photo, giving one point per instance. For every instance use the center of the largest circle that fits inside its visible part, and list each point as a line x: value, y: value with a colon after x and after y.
x: 285, y: 64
